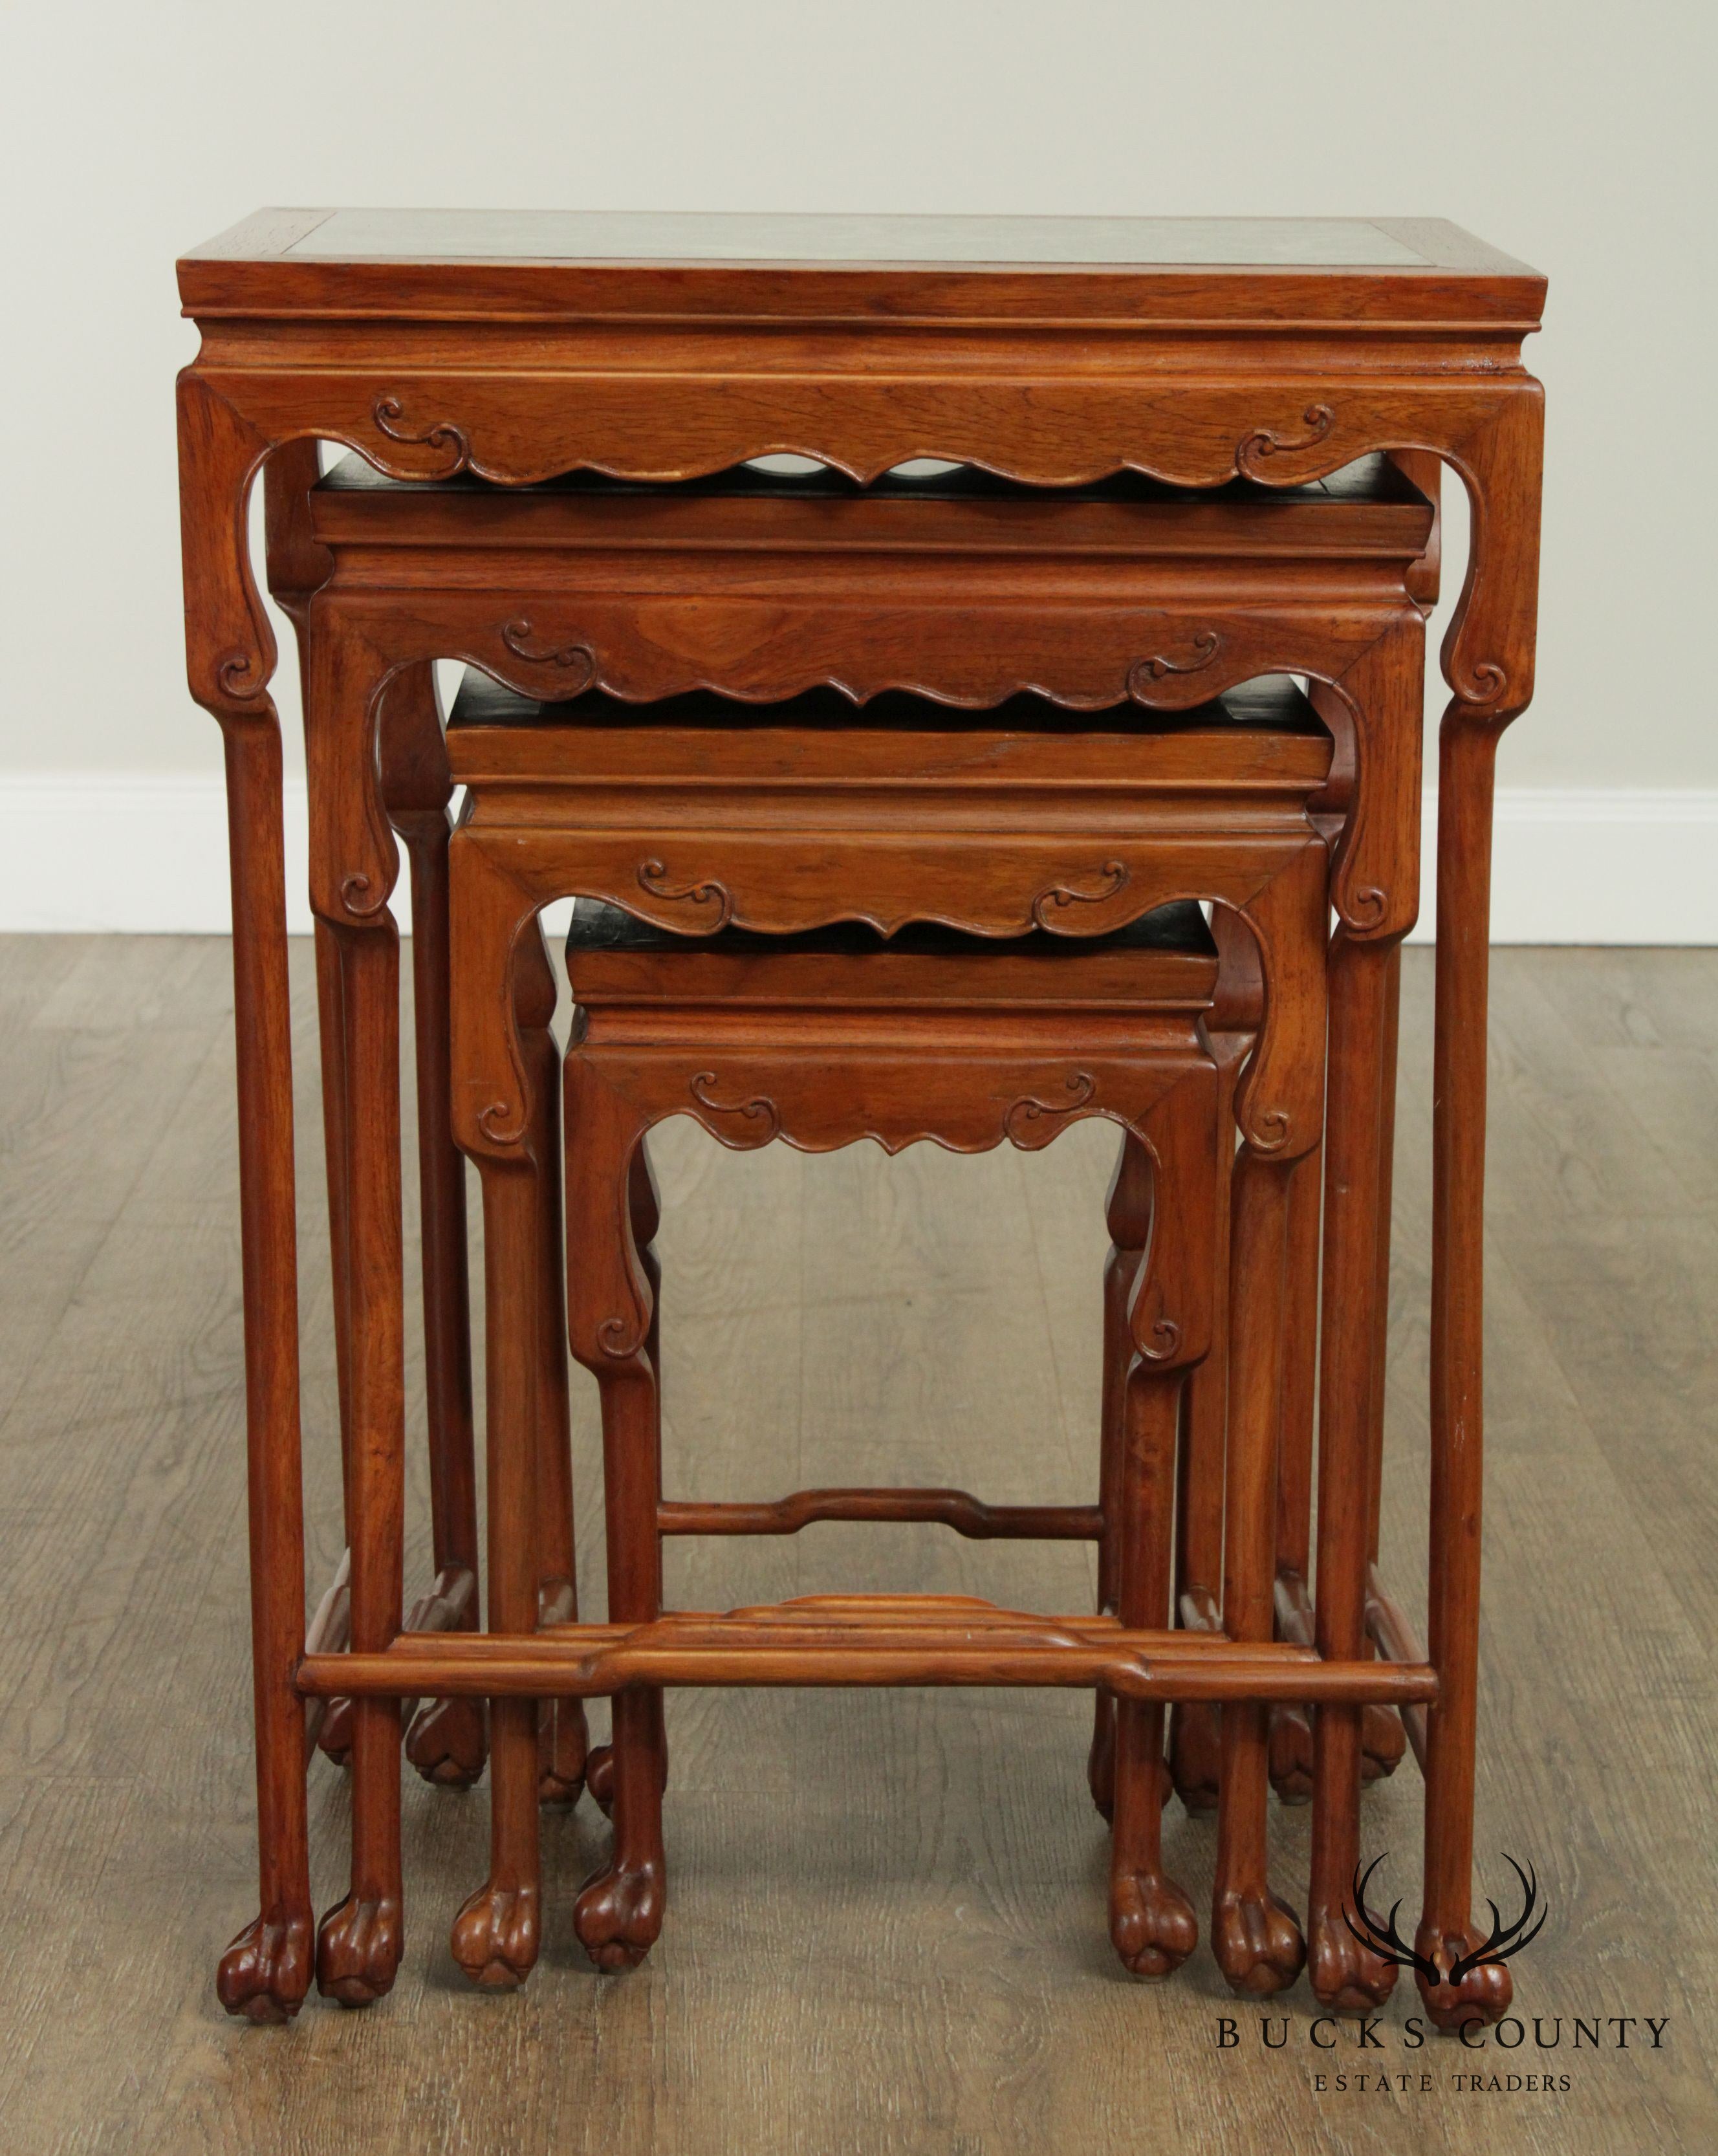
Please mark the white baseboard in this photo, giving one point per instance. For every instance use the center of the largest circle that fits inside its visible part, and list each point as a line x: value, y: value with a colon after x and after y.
x: 117, y: 853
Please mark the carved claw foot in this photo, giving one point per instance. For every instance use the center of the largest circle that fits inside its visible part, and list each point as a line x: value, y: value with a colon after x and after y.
x: 334, y: 1740
x: 447, y: 1742
x: 1195, y: 1748
x: 618, y: 1915
x: 1152, y: 1926
x: 1383, y: 1742
x: 1291, y: 1754
x: 1346, y: 1976
x: 1483, y: 1995
x: 358, y: 1950
x: 1100, y: 1759
x: 266, y: 1971
x: 495, y: 1935
x: 561, y: 1751
x: 1256, y: 1943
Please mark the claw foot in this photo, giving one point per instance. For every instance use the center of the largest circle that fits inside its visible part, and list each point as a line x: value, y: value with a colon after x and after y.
x: 266, y: 1971
x: 358, y: 1950
x: 447, y: 1742
x: 495, y: 1937
x: 1152, y: 1926
x: 1347, y: 1977
x: 1291, y: 1754
x: 618, y: 1915
x: 561, y: 1752
x: 1484, y: 1993
x: 1195, y: 1748
x: 1383, y: 1742
x: 1256, y: 1943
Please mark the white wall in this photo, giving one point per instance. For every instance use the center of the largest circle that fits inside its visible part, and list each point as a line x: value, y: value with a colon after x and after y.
x: 1577, y: 135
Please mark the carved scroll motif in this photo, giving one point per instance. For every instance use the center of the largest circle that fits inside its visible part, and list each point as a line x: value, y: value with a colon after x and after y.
x: 1160, y: 1343
x: 756, y: 1110
x: 1207, y: 644
x: 653, y: 877
x: 387, y: 412
x: 620, y: 1338
x: 1265, y: 442
x: 493, y: 1122
x: 1060, y: 896
x: 1029, y: 1109
x: 577, y: 660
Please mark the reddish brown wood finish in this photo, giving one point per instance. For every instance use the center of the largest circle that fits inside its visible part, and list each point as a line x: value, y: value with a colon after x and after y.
x: 521, y: 367
x: 911, y: 1639
x: 497, y: 1934
x: 446, y: 1740
x: 529, y: 787
x: 1195, y: 1735
x: 1290, y: 1726
x: 1345, y: 1975
x: 969, y: 1077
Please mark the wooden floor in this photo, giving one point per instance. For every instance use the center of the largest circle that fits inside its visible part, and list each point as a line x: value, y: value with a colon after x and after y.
x: 886, y: 1931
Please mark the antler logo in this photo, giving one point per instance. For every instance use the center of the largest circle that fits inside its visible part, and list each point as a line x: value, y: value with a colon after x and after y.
x: 1505, y: 1940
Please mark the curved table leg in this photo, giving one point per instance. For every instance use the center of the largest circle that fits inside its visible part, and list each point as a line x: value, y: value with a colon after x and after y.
x: 1488, y: 661
x: 265, y: 1973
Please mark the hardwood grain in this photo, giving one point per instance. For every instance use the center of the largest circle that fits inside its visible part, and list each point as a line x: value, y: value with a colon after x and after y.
x: 920, y: 1966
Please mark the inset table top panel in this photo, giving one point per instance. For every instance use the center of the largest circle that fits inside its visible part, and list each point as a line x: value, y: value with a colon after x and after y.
x: 465, y: 262
x: 477, y: 235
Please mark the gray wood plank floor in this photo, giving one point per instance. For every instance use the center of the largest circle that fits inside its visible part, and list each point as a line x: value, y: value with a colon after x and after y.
x: 886, y: 1931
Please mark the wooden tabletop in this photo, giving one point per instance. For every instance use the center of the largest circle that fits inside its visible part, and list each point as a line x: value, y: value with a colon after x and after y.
x: 465, y: 262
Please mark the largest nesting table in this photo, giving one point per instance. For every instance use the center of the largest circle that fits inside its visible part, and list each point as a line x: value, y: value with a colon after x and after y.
x: 1051, y: 351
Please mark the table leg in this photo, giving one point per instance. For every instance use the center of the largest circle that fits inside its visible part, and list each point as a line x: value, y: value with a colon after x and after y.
x: 334, y: 1738
x: 645, y: 1203
x: 619, y: 1911
x: 1255, y: 1936
x: 1127, y: 1214
x: 562, y: 1734
x: 1383, y: 1739
x: 1151, y: 1922
x: 1446, y: 1934
x: 229, y: 658
x: 1488, y: 661
x: 1196, y: 1726
x: 1347, y: 1975
x: 265, y: 1972
x: 359, y: 1941
x: 447, y: 1741
x: 497, y: 1934
x: 1291, y: 1722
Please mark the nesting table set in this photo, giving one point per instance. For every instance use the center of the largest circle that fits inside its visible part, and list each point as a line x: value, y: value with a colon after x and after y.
x: 1077, y: 775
